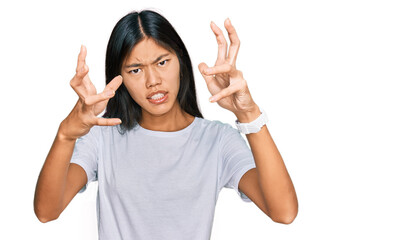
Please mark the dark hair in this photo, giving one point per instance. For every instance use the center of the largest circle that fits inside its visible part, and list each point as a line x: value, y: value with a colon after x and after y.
x: 129, y: 31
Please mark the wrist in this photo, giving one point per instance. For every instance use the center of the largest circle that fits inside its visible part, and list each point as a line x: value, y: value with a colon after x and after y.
x: 248, y: 116
x: 62, y: 133
x: 251, y: 125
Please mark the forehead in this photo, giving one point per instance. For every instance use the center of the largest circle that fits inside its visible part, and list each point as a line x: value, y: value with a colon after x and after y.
x: 146, y: 51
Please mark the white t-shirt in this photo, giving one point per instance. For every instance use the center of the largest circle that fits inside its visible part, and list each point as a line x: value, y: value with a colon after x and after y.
x: 162, y: 185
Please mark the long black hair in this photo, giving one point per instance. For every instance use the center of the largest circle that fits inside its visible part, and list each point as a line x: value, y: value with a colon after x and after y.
x: 128, y: 32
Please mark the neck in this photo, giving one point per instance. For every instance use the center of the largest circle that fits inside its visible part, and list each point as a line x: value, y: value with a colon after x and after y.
x: 174, y: 120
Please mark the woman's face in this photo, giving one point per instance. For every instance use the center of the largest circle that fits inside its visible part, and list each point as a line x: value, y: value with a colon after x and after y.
x: 148, y: 69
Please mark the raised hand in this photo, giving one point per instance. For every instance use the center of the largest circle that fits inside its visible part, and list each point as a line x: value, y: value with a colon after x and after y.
x: 84, y: 115
x: 224, y: 81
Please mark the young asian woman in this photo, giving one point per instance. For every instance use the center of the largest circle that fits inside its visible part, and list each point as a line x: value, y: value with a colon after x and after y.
x: 159, y: 164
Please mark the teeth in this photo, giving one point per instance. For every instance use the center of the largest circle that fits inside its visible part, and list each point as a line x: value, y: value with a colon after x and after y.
x: 157, y: 96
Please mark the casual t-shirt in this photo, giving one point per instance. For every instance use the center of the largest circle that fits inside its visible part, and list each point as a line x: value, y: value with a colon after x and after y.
x: 162, y: 185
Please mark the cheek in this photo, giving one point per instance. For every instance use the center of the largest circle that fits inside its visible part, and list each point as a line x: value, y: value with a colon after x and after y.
x: 133, y: 88
x: 174, y: 83
x: 175, y: 76
x: 129, y: 86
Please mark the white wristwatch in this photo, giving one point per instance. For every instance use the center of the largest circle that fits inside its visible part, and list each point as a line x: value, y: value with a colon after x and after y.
x: 254, y: 126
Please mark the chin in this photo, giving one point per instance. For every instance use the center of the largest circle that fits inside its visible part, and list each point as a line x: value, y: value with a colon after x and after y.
x: 158, y: 110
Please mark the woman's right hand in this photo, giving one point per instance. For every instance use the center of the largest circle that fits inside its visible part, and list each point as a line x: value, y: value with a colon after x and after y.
x: 84, y: 115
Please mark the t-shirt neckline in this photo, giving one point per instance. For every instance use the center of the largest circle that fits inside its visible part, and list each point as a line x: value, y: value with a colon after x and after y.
x: 168, y: 134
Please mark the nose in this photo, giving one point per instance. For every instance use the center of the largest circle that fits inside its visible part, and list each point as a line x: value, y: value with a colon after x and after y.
x: 152, y: 78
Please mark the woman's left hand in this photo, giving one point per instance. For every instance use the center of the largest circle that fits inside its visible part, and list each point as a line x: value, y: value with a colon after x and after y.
x: 224, y: 81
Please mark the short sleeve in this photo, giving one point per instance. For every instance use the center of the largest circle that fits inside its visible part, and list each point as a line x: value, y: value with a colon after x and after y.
x: 85, y: 154
x: 237, y: 159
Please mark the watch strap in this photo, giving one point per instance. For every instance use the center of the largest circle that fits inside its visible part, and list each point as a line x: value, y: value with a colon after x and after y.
x: 254, y: 126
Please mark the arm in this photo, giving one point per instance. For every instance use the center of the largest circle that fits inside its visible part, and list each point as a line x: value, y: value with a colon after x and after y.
x: 273, y: 179
x: 59, y: 180
x: 269, y: 184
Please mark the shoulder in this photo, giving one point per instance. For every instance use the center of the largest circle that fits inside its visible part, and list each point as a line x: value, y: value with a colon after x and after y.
x: 106, y: 131
x: 206, y: 123
x: 98, y: 132
x: 219, y: 127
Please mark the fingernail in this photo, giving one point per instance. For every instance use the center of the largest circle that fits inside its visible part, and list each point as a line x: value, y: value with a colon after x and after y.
x: 110, y: 93
x: 208, y: 70
x: 212, y: 99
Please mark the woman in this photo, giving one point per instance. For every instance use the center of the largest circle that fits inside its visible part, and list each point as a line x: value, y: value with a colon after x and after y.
x: 159, y: 165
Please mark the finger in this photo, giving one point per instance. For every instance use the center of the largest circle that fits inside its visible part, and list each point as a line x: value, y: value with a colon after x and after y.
x: 224, y: 93
x: 81, y: 82
x: 81, y: 67
x: 212, y: 84
x: 114, y: 84
x: 80, y: 74
x: 224, y: 68
x: 81, y: 71
x: 202, y: 68
x: 89, y: 86
x: 222, y: 44
x: 106, y: 121
x: 93, y: 99
x: 78, y: 88
x: 111, y: 87
x: 81, y: 57
x: 235, y: 43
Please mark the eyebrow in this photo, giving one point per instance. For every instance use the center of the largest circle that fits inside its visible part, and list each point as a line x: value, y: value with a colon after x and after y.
x: 139, y: 64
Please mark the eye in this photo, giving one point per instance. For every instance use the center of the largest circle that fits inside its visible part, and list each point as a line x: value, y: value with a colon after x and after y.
x: 162, y: 63
x: 135, y: 71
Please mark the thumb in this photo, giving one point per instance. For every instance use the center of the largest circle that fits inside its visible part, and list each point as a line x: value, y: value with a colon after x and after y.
x: 208, y: 78
x: 212, y: 84
x: 202, y: 66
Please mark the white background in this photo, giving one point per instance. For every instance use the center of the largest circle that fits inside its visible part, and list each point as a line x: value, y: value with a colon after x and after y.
x: 335, y: 77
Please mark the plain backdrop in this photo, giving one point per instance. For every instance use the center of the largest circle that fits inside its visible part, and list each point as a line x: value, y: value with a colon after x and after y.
x: 336, y: 79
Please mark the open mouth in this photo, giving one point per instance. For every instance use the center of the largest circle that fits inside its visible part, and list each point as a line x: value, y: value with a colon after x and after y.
x: 158, y: 98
